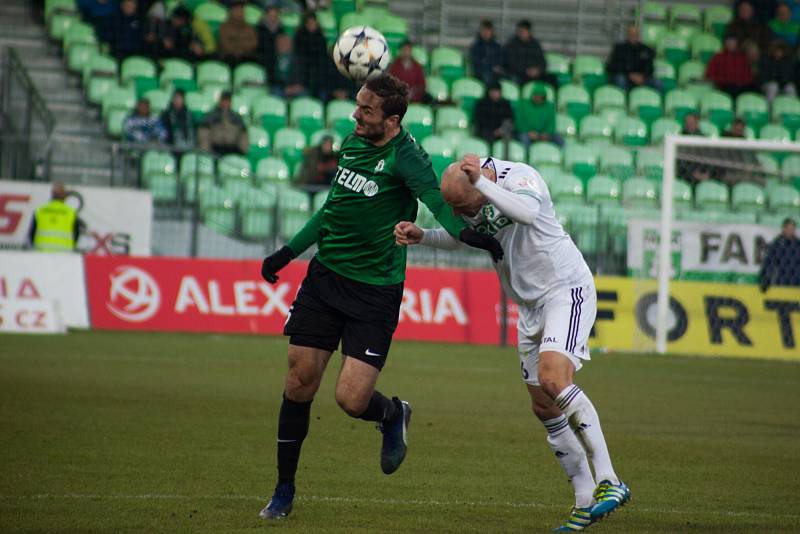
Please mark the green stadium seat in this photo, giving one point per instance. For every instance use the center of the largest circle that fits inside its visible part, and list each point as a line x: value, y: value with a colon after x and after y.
x: 79, y: 55
x: 567, y: 189
x: 99, y: 66
x: 574, y: 100
x: 418, y: 120
x: 704, y: 46
x: 249, y: 74
x: 199, y: 104
x: 196, y: 175
x: 234, y: 167
x: 448, y: 117
x: 594, y: 128
x: 528, y: 88
x: 472, y: 145
x: 589, y: 71
x: 581, y: 222
x: 252, y: 14
x: 294, y: 210
x: 682, y: 197
x: 774, y: 132
x: 784, y: 199
x: 114, y: 122
x: 718, y: 108
x: 259, y: 148
x: 664, y: 72
x: 510, y: 91
x: 420, y: 53
x: 617, y: 162
x: 306, y: 114
x: 394, y: 29
x: 652, y: 32
x: 319, y: 200
x: 213, y: 72
x: 52, y: 7
x: 257, y: 213
x: 159, y: 100
x: 566, y: 126
x: 608, y: 96
x: 241, y: 105
x: 612, y: 115
x: 663, y: 127
x: 59, y: 23
x: 289, y: 143
x: 685, y: 14
x: 440, y: 151
x: 272, y: 169
x: 602, y: 190
x: 640, y: 193
x: 175, y: 69
x: 652, y: 12
x: 581, y: 160
x: 708, y: 128
x: 650, y: 163
x: 674, y: 48
x: 447, y: 62
x: 790, y: 167
x: 218, y: 210
x: 558, y: 65
x: 516, y: 151
x: 631, y: 132
x: 159, y: 175
x: 711, y: 195
x: 786, y: 109
x: 454, y: 135
x: 645, y: 103
x: 687, y: 31
x: 678, y: 102
x: 753, y: 108
x: 98, y: 87
x: 748, y: 198
x: 467, y: 91
x: 436, y: 86
x: 339, y: 116
x: 316, y: 138
x: 290, y: 20
x: 691, y: 71
x: 543, y: 156
x: 136, y: 66
x: 118, y: 98
x: 78, y: 32
x: 269, y: 112
x: 716, y: 19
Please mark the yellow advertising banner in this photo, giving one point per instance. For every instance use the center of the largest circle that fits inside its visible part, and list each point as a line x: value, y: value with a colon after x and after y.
x: 711, y: 319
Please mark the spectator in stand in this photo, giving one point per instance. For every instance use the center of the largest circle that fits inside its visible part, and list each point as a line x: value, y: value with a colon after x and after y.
x: 286, y: 81
x: 747, y: 28
x: 205, y: 35
x: 268, y: 30
x: 319, y: 166
x: 781, y: 265
x: 689, y: 169
x: 777, y: 71
x: 783, y: 27
x: 334, y: 84
x: 736, y: 129
x: 631, y: 62
x: 407, y: 69
x: 98, y: 13
x: 311, y: 53
x: 729, y: 69
x: 179, y: 40
x: 223, y: 131
x: 536, y: 119
x: 141, y: 127
x: 691, y: 125
x: 238, y: 41
x: 177, y: 123
x: 486, y: 54
x: 763, y: 10
x: 491, y: 112
x: 126, y: 34
x: 524, y: 57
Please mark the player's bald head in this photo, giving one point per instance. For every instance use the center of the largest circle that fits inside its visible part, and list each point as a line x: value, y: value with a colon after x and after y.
x: 458, y: 192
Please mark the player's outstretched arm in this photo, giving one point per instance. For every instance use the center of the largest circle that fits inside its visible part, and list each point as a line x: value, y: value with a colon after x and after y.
x: 408, y: 233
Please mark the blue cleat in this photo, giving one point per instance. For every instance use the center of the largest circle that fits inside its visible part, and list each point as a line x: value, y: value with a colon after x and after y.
x: 579, y: 519
x: 395, y: 441
x: 281, y: 503
x: 609, y: 497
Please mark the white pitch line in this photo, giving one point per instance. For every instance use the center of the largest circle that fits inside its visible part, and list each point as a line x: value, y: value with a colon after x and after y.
x: 360, y: 500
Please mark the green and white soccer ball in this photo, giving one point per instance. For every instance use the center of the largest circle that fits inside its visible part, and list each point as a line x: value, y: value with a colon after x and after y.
x: 361, y: 53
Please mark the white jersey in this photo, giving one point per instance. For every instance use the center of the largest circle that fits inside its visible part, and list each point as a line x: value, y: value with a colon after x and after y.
x: 540, y: 257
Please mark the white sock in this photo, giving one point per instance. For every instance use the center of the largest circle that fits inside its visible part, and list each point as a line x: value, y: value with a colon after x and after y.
x: 585, y: 422
x: 572, y: 457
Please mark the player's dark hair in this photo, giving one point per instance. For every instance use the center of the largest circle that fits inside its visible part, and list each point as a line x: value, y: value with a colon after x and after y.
x: 525, y: 23
x: 787, y: 221
x: 394, y: 93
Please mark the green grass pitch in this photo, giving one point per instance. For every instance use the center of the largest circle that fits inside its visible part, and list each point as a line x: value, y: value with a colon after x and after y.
x: 123, y: 432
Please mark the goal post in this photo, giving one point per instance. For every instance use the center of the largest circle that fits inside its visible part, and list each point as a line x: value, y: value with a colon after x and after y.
x: 672, y: 143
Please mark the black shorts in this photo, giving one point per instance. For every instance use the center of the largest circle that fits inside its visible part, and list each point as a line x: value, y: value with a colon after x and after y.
x: 330, y: 307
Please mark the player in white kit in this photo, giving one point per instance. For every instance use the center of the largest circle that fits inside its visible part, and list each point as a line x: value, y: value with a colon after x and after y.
x: 544, y: 273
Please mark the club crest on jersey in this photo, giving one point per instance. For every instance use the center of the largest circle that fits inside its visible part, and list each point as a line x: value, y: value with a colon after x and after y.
x: 379, y: 166
x: 355, y: 182
x: 493, y: 222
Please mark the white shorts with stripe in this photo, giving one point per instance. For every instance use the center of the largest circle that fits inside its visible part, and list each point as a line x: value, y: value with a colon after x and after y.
x: 562, y: 324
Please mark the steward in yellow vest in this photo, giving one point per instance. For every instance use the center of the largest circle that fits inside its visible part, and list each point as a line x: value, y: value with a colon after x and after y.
x: 55, y: 224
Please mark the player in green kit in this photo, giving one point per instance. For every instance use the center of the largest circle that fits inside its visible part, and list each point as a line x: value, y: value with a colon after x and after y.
x: 354, y: 284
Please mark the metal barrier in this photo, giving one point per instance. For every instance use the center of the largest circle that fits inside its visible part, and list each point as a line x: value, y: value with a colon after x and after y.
x: 27, y: 124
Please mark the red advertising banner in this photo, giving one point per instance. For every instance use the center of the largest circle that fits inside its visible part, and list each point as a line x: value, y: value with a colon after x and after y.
x: 193, y: 295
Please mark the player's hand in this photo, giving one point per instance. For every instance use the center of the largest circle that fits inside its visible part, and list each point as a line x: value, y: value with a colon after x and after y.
x: 274, y: 263
x: 407, y: 233
x: 486, y: 242
x: 471, y: 165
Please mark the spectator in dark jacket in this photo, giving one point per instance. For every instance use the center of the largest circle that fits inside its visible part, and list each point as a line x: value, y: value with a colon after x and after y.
x: 486, y: 54
x: 179, y: 39
x: 238, y: 41
x: 286, y: 81
x: 408, y: 69
x: 747, y: 28
x: 737, y: 129
x: 763, y: 10
x: 781, y: 265
x: 777, y: 71
x: 223, y: 130
x: 98, y: 13
x: 311, y: 53
x: 631, y: 62
x: 141, y: 127
x: 268, y: 30
x: 729, y: 69
x: 126, y: 34
x: 491, y: 112
x: 177, y: 122
x: 524, y: 57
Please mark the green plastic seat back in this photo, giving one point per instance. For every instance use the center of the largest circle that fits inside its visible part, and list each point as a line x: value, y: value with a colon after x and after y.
x: 774, y: 132
x: 79, y: 32
x: 418, y: 120
x: 559, y: 66
x: 306, y: 113
x: 678, y: 103
x: 574, y: 100
x: 650, y: 163
x: 447, y: 62
x: 682, y: 195
x: 234, y: 166
x: 199, y: 104
x: 716, y: 19
x: 213, y: 72
x: 420, y: 53
x: 618, y: 162
x: 691, y: 71
x: 159, y: 100
x: 665, y: 73
x: 467, y: 91
x: 516, y: 150
x: 118, y: 98
x: 249, y: 74
x: 663, y: 127
x: 631, y: 132
x: 673, y: 47
x: 753, y: 108
x: 175, y: 69
x: 784, y: 197
x: 451, y: 117
x: 272, y: 169
x: 158, y: 162
x: 540, y: 154
x: 565, y: 125
x: 711, y: 194
x: 472, y: 145
x: 748, y: 198
x: 581, y: 160
x: 567, y: 188
x: 685, y: 14
x: 602, y: 189
x: 436, y: 86
x: 136, y: 66
x: 639, y: 192
x: 653, y: 11
x: 705, y: 45
x: 270, y: 112
x: 652, y: 32
x: 589, y: 71
x: 289, y: 144
x: 608, y: 96
x: 594, y: 127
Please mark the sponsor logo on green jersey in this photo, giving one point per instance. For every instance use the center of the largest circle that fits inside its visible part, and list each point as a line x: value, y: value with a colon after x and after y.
x: 356, y: 182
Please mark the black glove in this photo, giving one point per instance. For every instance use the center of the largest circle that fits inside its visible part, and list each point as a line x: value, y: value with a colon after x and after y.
x: 483, y: 241
x: 274, y: 263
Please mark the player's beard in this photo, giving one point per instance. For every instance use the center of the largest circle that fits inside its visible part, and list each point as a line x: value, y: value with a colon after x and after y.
x: 372, y: 133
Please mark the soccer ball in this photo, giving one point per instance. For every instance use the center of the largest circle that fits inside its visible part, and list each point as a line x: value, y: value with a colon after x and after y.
x: 361, y: 53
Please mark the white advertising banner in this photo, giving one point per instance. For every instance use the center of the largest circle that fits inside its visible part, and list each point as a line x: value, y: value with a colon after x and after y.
x: 115, y: 221
x: 700, y: 248
x: 30, y: 317
x: 31, y: 277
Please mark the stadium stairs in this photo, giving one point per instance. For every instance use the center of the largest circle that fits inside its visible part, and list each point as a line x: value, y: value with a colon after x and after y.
x: 79, y: 131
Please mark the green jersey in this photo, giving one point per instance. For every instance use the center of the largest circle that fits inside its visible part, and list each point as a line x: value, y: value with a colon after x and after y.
x: 375, y: 187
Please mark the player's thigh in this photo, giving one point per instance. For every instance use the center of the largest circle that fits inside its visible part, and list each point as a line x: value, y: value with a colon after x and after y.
x: 355, y: 385
x: 306, y: 368
x: 567, y: 323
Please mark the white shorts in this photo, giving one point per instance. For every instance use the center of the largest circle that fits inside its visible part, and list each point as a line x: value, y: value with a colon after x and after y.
x: 562, y: 324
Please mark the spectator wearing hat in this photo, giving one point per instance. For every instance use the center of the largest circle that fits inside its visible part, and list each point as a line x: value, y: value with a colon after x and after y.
x: 408, y: 69
x: 223, y: 131
x: 536, y: 119
x: 238, y: 41
x: 486, y: 54
x: 491, y: 113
